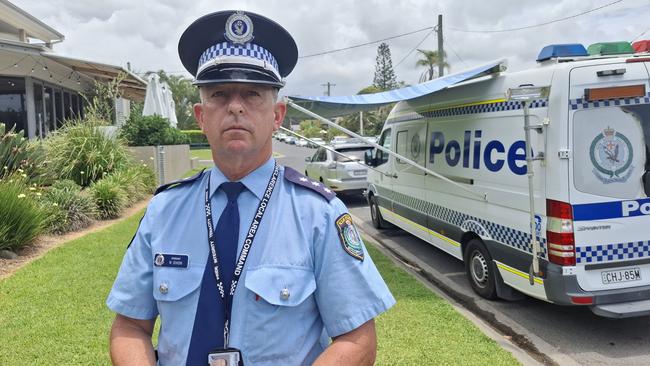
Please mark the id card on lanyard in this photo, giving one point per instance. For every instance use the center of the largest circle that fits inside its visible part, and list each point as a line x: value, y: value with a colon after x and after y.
x: 226, y: 353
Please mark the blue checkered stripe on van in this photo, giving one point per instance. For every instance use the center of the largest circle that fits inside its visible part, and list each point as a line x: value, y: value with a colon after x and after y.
x: 470, y: 109
x: 503, y: 234
x: 580, y: 103
x: 612, y: 252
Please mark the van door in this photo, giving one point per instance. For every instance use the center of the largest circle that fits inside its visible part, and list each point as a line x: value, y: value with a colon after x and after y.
x: 382, y: 179
x: 611, y: 157
x: 409, y: 192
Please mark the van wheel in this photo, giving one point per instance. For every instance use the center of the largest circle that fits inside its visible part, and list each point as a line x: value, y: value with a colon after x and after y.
x: 478, y: 266
x: 377, y: 220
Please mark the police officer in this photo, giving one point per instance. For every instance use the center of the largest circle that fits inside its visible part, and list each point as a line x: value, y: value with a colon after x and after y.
x: 248, y: 262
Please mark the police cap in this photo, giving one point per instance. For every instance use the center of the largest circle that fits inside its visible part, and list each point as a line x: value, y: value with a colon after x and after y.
x: 237, y: 47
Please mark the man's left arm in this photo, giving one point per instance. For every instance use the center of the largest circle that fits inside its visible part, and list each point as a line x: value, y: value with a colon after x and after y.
x: 358, y: 347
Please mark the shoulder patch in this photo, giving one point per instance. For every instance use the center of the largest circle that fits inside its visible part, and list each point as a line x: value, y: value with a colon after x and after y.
x: 350, y: 237
x: 179, y: 182
x: 293, y: 176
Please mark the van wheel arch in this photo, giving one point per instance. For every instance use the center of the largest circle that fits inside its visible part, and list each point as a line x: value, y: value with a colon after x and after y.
x: 479, y: 267
x: 377, y: 220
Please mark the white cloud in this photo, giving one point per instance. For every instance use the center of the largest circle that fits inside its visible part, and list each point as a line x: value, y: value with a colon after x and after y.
x: 146, y: 32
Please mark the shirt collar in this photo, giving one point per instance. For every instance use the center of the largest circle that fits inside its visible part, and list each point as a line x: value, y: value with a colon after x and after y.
x: 256, y: 181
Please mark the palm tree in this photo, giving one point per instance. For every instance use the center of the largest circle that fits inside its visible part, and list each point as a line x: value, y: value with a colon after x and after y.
x: 430, y: 61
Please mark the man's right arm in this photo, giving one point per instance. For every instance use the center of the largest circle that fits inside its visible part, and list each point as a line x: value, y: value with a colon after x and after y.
x: 130, y: 341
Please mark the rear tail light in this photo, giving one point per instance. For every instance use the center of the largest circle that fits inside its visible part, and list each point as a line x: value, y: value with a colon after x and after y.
x: 559, y: 233
x: 582, y: 300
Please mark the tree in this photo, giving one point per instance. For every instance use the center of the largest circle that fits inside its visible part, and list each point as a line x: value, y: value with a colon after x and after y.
x: 373, y: 121
x: 310, y: 128
x: 429, y: 61
x: 385, y: 78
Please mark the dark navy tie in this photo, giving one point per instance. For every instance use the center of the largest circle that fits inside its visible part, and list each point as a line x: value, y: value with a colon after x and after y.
x: 207, y: 333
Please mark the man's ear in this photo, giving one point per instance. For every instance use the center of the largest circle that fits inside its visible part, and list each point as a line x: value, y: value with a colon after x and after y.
x: 198, y: 114
x: 279, y: 112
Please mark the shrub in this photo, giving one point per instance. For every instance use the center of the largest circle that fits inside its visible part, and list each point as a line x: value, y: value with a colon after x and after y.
x: 66, y: 184
x: 137, y: 181
x: 195, y: 136
x: 20, y: 156
x: 68, y: 208
x: 109, y: 198
x: 82, y: 153
x: 151, y: 131
x: 21, y: 218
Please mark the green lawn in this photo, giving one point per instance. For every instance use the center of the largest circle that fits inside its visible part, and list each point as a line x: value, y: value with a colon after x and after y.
x: 201, y: 154
x: 52, y: 311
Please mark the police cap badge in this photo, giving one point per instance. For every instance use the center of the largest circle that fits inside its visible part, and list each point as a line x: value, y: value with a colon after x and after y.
x: 237, y: 47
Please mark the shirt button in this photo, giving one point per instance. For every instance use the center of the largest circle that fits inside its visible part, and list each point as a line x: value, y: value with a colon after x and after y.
x: 163, y: 288
x: 284, y: 294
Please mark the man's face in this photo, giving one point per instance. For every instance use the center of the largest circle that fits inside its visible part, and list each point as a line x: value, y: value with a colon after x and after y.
x: 239, y: 119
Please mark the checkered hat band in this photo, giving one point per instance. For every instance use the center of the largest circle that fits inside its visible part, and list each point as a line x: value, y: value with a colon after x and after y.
x: 242, y: 52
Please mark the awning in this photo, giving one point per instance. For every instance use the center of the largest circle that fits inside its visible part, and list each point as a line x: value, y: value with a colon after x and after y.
x: 342, y: 105
x: 132, y: 86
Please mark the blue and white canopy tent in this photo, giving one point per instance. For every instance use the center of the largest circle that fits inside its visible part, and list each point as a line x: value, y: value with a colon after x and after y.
x: 324, y: 107
x: 337, y: 106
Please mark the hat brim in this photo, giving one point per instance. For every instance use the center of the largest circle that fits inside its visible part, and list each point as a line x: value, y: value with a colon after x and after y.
x: 201, y: 35
x: 237, y: 74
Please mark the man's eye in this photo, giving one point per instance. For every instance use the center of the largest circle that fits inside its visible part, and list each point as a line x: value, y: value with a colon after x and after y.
x: 218, y: 94
x: 253, y: 93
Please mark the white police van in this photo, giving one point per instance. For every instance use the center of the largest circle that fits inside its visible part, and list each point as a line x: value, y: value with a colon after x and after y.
x: 590, y: 148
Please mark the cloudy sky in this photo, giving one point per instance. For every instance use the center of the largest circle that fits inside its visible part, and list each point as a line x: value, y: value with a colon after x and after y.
x: 146, y: 32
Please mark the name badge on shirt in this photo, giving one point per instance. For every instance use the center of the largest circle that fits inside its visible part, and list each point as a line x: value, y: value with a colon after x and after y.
x: 170, y: 260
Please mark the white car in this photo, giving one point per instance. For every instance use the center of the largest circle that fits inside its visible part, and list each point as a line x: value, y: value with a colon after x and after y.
x: 301, y: 142
x: 342, y: 174
x: 317, y: 142
x: 280, y: 136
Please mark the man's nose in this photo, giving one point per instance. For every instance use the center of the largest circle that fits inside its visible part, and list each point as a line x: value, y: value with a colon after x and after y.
x: 236, y: 106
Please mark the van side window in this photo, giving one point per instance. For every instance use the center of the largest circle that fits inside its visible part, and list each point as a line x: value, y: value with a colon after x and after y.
x: 401, y: 142
x: 384, y: 141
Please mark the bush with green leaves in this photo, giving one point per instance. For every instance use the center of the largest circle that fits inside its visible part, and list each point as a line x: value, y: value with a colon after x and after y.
x: 20, y: 156
x: 137, y: 181
x: 66, y: 184
x: 21, y: 218
x: 68, y: 207
x: 110, y: 198
x: 83, y: 153
x: 196, y: 136
x: 151, y: 131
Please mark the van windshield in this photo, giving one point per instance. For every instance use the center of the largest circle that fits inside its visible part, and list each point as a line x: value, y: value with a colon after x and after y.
x: 612, y: 151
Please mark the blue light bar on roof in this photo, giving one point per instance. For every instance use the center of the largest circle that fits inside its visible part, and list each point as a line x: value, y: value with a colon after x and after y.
x: 562, y: 50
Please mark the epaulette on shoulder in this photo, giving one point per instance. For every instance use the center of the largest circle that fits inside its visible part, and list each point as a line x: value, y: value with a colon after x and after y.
x: 293, y: 176
x: 179, y: 182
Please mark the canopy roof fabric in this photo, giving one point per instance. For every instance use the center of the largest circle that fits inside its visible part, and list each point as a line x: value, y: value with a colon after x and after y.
x: 342, y: 105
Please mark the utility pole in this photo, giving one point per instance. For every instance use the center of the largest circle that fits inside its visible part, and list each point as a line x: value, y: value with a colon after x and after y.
x: 441, y: 53
x: 328, y: 85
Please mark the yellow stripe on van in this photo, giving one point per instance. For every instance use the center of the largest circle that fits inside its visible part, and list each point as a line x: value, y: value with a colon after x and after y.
x: 501, y: 100
x: 420, y: 227
x: 519, y: 273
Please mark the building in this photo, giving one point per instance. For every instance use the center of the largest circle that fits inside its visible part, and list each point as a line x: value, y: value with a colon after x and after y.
x: 40, y: 89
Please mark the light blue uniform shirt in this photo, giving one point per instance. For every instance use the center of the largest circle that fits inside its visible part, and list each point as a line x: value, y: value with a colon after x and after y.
x: 297, y: 248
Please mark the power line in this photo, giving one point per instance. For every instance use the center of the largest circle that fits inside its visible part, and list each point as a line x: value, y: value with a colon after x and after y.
x: 454, y: 51
x: 365, y: 44
x: 536, y: 25
x: 639, y: 36
x: 414, y: 48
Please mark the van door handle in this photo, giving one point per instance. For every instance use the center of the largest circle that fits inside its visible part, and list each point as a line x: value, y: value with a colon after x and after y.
x: 394, y: 175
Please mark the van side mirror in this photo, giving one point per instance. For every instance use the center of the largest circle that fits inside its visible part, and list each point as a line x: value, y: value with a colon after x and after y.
x: 308, y: 159
x: 646, y: 182
x: 368, y: 159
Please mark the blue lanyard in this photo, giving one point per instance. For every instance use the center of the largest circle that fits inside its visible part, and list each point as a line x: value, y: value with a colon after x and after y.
x: 248, y: 242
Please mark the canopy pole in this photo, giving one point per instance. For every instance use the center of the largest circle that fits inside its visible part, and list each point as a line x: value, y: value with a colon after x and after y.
x: 289, y: 102
x: 534, y: 268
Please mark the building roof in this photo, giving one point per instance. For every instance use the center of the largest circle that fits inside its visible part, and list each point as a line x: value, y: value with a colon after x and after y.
x: 132, y: 86
x: 16, y: 19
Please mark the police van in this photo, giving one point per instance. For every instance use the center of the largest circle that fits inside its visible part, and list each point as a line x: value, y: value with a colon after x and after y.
x: 587, y: 116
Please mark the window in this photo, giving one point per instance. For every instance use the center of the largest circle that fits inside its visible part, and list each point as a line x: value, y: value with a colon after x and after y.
x: 384, y: 141
x: 12, y: 104
x: 401, y: 143
x: 356, y: 153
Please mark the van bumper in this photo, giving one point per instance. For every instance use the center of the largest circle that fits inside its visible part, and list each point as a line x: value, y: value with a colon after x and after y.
x: 615, y: 303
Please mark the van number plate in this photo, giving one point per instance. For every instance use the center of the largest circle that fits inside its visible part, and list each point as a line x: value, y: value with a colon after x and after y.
x: 623, y: 275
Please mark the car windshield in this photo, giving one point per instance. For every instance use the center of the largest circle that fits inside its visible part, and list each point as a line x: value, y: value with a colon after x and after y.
x: 355, y: 153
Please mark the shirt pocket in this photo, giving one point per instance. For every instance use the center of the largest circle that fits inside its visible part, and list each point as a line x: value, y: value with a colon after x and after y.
x: 172, y: 286
x: 281, y: 313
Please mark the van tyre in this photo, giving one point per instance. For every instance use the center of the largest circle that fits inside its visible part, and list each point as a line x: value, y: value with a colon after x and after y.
x: 377, y: 220
x: 479, y: 269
